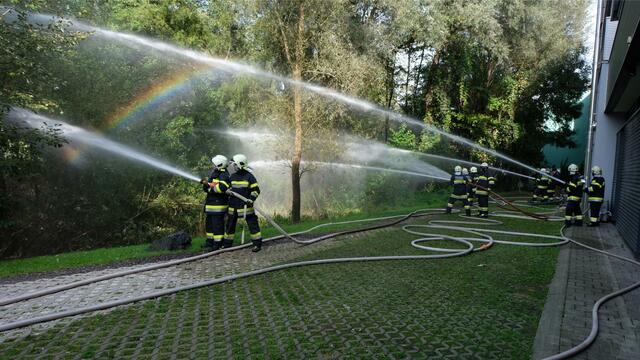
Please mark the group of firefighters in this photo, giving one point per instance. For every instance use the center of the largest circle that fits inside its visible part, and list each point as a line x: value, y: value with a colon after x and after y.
x: 231, y: 178
x: 471, y: 186
x: 227, y: 179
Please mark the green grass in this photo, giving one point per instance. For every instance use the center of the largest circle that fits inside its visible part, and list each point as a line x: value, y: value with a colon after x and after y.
x: 112, y: 255
x: 486, y: 305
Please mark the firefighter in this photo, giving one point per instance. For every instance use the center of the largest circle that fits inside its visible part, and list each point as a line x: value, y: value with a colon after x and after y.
x: 596, y: 196
x: 557, y: 185
x: 574, y: 196
x: 484, y: 184
x: 216, y: 203
x: 551, y: 187
x: 473, y: 175
x: 459, y: 182
x: 543, y: 184
x: 536, y: 190
x: 244, y: 183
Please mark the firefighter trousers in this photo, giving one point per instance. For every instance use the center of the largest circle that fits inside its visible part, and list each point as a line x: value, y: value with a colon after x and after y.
x: 483, y: 205
x: 573, y: 213
x: 594, y: 212
x: 252, y: 222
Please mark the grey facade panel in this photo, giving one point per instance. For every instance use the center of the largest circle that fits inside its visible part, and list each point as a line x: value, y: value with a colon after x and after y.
x: 626, y: 209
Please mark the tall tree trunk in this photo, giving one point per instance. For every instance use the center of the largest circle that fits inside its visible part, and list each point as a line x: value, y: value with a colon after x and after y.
x: 415, y: 90
x: 406, y: 85
x: 391, y: 67
x: 297, y: 117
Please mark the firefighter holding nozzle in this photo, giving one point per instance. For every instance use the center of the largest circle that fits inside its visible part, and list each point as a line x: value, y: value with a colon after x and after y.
x: 216, y: 203
x: 459, y: 192
x: 245, y: 184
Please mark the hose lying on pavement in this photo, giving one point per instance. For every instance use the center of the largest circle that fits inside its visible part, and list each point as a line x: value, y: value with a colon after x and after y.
x: 76, y: 284
x: 596, y: 307
x: 482, y: 236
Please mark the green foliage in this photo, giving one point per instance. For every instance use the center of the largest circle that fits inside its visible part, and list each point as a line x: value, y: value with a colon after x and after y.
x: 403, y: 138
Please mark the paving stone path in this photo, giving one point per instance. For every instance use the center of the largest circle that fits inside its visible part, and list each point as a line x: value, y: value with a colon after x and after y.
x: 582, y: 277
x: 152, y: 281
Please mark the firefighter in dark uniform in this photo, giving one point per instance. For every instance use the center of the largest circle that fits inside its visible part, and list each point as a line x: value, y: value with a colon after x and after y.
x: 543, y: 185
x: 459, y: 182
x: 596, y: 196
x: 536, y: 190
x: 244, y: 183
x: 217, y: 203
x: 473, y: 175
x: 484, y: 182
x: 574, y: 196
x: 551, y: 186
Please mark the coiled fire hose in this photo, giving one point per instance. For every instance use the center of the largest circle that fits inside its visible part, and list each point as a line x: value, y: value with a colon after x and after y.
x: 481, y: 235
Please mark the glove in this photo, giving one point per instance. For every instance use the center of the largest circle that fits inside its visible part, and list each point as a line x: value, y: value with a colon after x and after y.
x: 204, y: 182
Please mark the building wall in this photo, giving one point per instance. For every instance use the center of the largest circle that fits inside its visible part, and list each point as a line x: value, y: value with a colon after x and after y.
x: 605, y: 136
x: 554, y: 155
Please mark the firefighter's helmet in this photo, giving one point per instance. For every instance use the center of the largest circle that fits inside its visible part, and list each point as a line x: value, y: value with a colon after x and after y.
x: 457, y: 169
x: 220, y: 161
x: 596, y: 170
x: 473, y: 170
x: 465, y: 171
x: 484, y: 165
x: 240, y: 160
x: 573, y: 168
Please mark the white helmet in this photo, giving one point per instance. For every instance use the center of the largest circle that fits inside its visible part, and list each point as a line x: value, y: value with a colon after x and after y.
x: 465, y: 171
x: 240, y: 160
x: 473, y: 170
x: 573, y: 168
x: 484, y: 165
x: 596, y: 170
x: 457, y: 169
x: 220, y: 161
x: 544, y: 171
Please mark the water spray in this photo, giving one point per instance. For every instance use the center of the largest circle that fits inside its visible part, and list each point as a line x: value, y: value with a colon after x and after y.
x: 79, y: 135
x: 270, y: 163
x: 236, y: 67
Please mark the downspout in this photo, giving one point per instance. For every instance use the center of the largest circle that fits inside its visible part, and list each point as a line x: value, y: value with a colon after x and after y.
x: 595, y: 78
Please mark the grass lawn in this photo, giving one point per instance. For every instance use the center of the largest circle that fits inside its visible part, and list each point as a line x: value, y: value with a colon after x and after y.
x: 485, y: 305
x: 117, y: 254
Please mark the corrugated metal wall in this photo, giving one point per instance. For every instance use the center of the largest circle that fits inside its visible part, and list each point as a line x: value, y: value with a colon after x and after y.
x: 626, y: 182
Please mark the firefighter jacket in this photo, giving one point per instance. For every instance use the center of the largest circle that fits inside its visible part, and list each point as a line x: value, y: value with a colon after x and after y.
x: 596, y: 189
x: 471, y: 181
x: 574, y: 187
x: 459, y: 183
x: 484, y: 181
x: 543, y: 182
x: 217, y: 200
x: 244, y: 183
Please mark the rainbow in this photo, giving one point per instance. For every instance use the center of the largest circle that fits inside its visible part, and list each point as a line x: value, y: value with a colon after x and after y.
x: 144, y: 101
x: 154, y: 95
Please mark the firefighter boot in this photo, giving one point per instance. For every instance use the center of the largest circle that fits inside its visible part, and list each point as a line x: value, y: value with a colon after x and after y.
x: 217, y: 245
x: 208, y: 245
x: 257, y: 245
x: 227, y: 243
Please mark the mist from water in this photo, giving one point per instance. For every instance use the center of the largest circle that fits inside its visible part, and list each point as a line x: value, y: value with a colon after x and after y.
x: 271, y: 163
x: 78, y: 135
x: 359, y: 145
x: 235, y: 67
